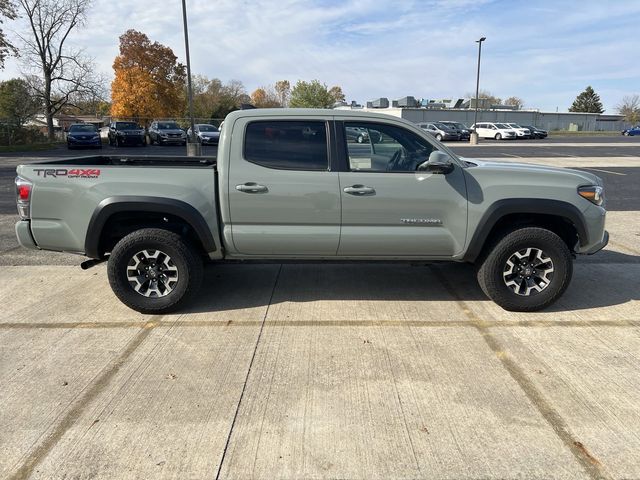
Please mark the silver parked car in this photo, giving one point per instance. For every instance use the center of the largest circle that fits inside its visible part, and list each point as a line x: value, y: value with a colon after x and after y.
x: 441, y: 131
x: 206, y: 134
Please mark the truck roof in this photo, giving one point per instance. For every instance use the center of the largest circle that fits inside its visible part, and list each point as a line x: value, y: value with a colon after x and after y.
x: 307, y: 112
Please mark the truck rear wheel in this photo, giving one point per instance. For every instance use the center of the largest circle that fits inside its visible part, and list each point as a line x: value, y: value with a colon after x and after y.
x: 154, y: 271
x: 527, y: 270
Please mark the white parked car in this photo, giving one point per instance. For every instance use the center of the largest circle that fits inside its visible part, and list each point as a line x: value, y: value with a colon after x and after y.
x: 521, y: 132
x: 499, y: 131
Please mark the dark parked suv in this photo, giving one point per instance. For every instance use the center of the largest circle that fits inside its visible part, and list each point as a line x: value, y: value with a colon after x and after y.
x: 465, y: 132
x: 166, y: 132
x: 126, y: 133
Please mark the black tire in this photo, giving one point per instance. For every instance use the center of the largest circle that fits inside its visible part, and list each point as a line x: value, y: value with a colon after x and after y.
x: 498, y: 136
x: 492, y: 267
x: 182, y: 257
x: 439, y: 137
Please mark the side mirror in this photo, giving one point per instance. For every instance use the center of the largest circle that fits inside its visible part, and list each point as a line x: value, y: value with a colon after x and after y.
x: 439, y: 162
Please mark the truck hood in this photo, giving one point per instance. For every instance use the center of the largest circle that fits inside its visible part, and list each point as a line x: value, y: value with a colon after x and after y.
x: 528, y: 168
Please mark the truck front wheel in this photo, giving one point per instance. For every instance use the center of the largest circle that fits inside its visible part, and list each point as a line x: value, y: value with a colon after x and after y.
x: 154, y: 271
x: 526, y: 270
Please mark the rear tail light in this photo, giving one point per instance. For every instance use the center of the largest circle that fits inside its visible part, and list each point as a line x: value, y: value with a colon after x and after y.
x: 23, y: 197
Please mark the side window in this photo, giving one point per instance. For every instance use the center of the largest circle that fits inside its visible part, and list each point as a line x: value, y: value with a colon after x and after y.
x: 287, y: 144
x: 379, y: 147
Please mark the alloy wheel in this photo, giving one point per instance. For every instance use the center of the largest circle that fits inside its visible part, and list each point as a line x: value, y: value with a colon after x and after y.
x: 528, y: 271
x: 152, y: 273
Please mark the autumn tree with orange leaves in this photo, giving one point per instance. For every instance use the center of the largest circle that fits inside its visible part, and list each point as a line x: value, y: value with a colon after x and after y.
x: 149, y: 80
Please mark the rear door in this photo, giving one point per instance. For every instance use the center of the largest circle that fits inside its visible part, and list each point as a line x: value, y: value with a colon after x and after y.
x: 283, y: 196
x: 389, y: 208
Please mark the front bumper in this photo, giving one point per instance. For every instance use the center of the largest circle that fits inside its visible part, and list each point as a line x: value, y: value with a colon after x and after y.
x: 23, y: 232
x: 78, y: 142
x: 598, y: 246
x: 131, y: 139
x: 209, y: 140
x: 175, y: 140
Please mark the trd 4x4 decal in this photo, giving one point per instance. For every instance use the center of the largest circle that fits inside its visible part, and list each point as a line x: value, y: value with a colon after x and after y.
x: 63, y: 172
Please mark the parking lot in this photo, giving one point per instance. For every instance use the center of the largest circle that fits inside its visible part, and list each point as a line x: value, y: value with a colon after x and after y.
x: 327, y: 371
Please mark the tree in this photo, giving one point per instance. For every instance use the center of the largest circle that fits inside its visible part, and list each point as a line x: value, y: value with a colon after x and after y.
x: 630, y: 108
x: 265, y: 97
x: 336, y: 94
x: 514, y: 102
x: 7, y: 10
x: 213, y: 101
x: 312, y: 95
x: 588, y: 102
x: 149, y: 81
x: 17, y: 102
x: 488, y: 97
x: 283, y: 89
x: 57, y: 74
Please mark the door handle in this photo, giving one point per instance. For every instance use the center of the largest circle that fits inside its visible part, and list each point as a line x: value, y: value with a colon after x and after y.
x: 360, y: 190
x: 251, y: 187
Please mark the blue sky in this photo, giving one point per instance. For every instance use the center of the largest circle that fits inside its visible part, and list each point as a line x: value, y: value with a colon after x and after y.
x: 545, y: 52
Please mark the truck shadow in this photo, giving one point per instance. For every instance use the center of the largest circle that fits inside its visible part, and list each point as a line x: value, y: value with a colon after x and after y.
x: 606, y: 279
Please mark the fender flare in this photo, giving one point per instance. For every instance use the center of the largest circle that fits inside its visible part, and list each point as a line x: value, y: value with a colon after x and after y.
x: 124, y: 203
x: 501, y: 208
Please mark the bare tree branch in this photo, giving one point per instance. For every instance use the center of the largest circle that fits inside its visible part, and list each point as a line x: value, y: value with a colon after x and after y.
x: 60, y: 76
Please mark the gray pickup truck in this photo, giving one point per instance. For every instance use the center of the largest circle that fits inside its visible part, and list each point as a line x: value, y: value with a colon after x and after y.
x: 291, y: 185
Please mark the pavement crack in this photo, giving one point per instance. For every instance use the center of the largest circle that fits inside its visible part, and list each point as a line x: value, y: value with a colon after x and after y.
x: 98, y: 385
x: 246, y: 379
x: 592, y: 466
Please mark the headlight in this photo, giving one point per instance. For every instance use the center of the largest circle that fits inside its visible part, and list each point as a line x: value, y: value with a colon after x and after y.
x: 593, y: 193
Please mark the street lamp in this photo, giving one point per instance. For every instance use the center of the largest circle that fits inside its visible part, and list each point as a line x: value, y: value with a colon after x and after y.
x: 193, y: 147
x: 474, y: 137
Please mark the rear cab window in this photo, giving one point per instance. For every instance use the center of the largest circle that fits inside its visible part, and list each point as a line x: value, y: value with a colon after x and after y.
x: 287, y: 144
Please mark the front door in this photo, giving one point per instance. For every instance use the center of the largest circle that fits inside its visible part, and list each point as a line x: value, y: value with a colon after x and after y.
x: 389, y: 209
x: 284, y: 199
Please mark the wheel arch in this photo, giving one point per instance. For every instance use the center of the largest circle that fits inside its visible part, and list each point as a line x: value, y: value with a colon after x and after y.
x: 560, y: 217
x: 148, y: 211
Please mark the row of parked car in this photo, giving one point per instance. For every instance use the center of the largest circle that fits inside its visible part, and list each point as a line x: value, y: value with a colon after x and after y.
x: 130, y: 133
x: 448, y: 130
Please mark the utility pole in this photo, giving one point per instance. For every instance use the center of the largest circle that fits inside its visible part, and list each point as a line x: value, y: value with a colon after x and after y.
x: 193, y: 147
x: 474, y: 136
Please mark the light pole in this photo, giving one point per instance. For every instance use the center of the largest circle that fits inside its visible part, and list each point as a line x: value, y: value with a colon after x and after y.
x: 474, y: 136
x: 193, y: 147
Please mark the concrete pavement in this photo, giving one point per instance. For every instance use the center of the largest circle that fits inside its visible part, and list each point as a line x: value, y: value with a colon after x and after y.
x: 320, y: 371
x: 328, y: 371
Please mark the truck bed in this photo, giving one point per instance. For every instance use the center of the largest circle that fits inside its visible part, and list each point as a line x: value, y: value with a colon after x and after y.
x: 136, y: 160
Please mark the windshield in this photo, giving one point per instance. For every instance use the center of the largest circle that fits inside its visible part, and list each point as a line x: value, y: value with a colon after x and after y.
x: 207, y: 128
x: 460, y: 125
x: 514, y: 125
x: 82, y: 128
x: 127, y: 126
x: 442, y: 126
x: 168, y: 126
x: 503, y: 126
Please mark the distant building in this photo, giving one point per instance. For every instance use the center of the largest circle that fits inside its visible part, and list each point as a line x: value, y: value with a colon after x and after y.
x: 61, y: 122
x: 462, y: 111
